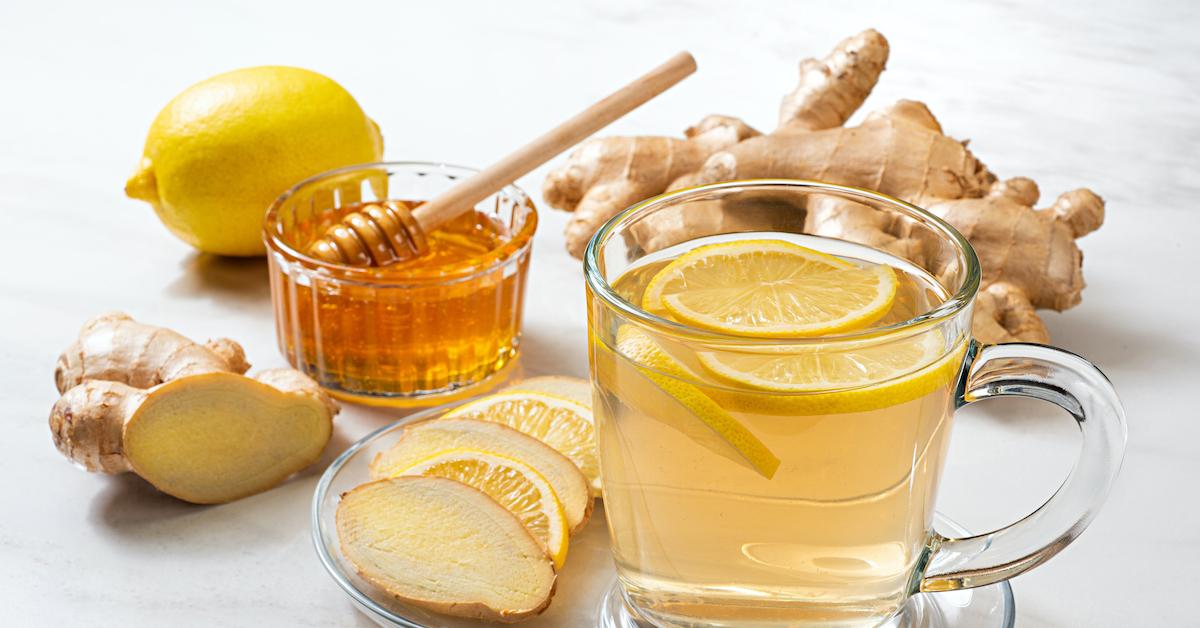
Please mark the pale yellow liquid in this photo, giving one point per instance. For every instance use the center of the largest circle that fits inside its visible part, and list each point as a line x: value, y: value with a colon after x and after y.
x: 833, y: 538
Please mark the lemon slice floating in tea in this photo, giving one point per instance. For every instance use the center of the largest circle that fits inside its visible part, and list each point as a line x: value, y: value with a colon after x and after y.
x: 828, y: 366
x: 836, y: 377
x: 697, y: 415
x: 559, y: 422
x: 513, y: 484
x: 770, y: 288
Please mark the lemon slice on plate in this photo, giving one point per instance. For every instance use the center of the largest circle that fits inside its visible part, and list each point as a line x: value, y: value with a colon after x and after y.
x: 573, y: 388
x: 513, y: 484
x: 420, y: 441
x: 770, y: 288
x: 668, y: 397
x: 559, y: 422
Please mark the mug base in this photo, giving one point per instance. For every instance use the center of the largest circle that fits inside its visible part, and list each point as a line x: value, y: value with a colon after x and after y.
x: 985, y: 607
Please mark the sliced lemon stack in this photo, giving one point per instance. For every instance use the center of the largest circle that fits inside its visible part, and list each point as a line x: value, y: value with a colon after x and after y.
x: 512, y: 484
x: 770, y: 288
x: 466, y: 517
x: 561, y: 423
x: 423, y: 441
x: 573, y: 388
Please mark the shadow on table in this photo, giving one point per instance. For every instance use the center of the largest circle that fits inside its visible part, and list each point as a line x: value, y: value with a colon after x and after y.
x: 132, y: 509
x: 360, y: 619
x: 1112, y: 342
x: 338, y: 442
x: 553, y: 351
x: 241, y: 280
x: 128, y: 501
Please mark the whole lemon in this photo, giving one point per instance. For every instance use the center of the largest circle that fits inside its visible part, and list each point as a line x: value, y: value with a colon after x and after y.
x: 220, y: 152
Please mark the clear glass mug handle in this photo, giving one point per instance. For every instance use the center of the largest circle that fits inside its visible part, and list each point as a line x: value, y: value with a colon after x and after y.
x: 1075, y: 385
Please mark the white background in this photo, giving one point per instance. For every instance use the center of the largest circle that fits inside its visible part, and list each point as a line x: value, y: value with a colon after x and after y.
x: 1071, y: 94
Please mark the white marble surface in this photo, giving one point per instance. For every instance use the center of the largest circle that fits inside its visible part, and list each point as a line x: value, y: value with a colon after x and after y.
x: 1080, y: 93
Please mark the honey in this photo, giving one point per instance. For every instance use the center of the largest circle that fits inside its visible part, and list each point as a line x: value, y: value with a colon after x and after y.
x: 410, y: 333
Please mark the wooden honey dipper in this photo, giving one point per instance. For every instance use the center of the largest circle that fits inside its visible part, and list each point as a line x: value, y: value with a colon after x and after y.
x: 389, y: 232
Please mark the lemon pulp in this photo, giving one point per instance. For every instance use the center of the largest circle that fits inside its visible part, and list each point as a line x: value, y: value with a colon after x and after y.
x: 770, y: 288
x: 561, y: 423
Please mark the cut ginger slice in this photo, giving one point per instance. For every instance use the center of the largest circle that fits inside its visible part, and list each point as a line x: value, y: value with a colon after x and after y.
x: 217, y: 437
x: 442, y: 545
x: 422, y: 440
x: 513, y: 484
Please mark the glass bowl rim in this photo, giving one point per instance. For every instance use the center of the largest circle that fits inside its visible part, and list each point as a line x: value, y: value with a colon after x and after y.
x: 599, y: 285
x: 520, y: 242
x: 320, y: 531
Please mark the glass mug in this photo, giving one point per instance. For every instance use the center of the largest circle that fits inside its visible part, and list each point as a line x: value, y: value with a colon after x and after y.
x: 737, y: 505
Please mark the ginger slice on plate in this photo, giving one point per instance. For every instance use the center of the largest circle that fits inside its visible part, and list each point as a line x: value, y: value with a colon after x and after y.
x: 423, y: 440
x: 513, y: 484
x: 445, y: 546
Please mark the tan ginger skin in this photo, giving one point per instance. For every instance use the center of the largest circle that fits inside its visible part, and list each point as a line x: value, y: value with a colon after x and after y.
x: 119, y: 372
x: 1029, y: 256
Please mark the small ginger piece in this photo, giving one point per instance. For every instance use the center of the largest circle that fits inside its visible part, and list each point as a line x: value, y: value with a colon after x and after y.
x: 1040, y: 269
x: 1028, y: 256
x: 830, y: 90
x: 113, y: 347
x: 144, y: 399
x: 443, y: 545
x: 890, y: 152
x: 604, y: 176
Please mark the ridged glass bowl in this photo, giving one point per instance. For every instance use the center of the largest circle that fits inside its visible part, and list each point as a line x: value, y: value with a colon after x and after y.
x: 415, y: 334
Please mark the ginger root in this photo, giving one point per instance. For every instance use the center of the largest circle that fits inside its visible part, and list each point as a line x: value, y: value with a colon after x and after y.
x: 144, y: 399
x: 607, y: 175
x: 1029, y: 256
x: 445, y: 546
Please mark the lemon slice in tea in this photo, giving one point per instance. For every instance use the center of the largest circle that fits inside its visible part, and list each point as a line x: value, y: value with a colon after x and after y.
x: 694, y: 413
x: 832, y: 366
x: 837, y: 377
x: 770, y: 288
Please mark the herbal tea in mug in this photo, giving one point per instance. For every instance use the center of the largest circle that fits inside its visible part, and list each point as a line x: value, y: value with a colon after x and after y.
x: 774, y: 408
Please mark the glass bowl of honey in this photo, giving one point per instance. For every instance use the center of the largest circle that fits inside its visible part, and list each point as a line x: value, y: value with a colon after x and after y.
x: 443, y: 326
